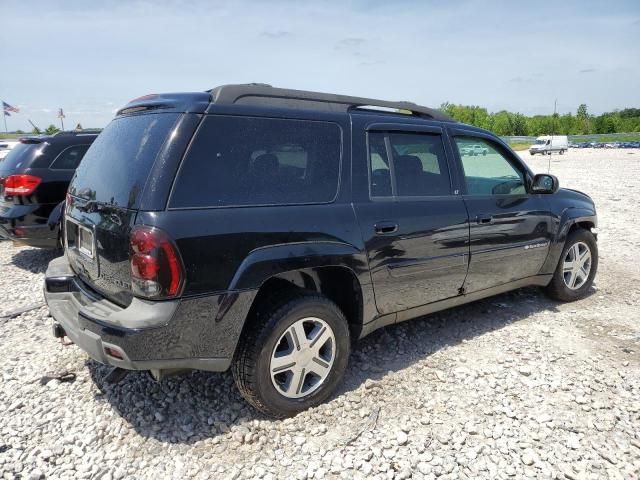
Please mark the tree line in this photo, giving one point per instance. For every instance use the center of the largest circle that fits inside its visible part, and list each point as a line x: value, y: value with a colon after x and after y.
x: 505, y: 123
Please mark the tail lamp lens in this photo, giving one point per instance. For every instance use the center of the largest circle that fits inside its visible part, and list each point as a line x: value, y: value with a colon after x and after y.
x: 156, y: 267
x: 21, y: 184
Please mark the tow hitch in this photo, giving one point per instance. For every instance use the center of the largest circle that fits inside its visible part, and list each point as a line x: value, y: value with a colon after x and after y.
x: 58, y: 331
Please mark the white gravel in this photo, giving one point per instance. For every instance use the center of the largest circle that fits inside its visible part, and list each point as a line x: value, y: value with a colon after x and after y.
x: 511, y: 387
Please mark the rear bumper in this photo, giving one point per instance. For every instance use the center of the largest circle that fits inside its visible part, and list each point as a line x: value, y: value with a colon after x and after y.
x: 198, y: 333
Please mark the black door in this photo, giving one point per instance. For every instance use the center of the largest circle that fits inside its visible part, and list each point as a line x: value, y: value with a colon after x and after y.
x: 509, y: 227
x: 414, y: 228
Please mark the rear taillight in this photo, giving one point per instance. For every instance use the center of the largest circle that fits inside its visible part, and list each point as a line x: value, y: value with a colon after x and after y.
x: 20, y: 184
x: 156, y: 267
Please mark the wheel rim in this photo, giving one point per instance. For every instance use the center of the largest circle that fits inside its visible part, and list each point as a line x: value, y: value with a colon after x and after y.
x: 577, y: 265
x: 303, y: 357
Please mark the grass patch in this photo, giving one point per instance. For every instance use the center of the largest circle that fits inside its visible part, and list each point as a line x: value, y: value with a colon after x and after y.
x: 519, y: 146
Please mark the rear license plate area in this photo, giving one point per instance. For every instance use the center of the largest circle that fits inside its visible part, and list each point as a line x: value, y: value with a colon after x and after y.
x: 80, y: 238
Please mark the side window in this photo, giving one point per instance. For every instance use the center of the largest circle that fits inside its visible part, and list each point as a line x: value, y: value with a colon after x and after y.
x: 419, y: 165
x: 259, y: 161
x: 69, y: 158
x: 486, y: 170
x: 380, y: 178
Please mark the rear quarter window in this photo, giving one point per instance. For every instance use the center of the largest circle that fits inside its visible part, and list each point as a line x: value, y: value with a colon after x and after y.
x: 69, y: 158
x: 237, y: 161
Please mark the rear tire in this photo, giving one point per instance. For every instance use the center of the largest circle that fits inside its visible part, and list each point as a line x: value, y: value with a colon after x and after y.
x: 575, y: 272
x: 293, y: 356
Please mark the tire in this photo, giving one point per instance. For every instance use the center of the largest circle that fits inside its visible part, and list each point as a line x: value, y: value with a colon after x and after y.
x: 265, y: 340
x: 561, y: 152
x: 558, y: 289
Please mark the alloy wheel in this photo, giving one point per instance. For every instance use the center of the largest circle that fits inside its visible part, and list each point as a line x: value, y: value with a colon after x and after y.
x: 303, y: 357
x: 577, y: 265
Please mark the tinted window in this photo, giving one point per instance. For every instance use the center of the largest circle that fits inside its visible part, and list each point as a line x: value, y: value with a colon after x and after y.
x: 258, y: 161
x: 69, y: 159
x: 419, y: 165
x: 486, y: 169
x: 379, y: 164
x: 115, y: 168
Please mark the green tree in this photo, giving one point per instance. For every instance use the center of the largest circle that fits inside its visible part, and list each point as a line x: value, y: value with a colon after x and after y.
x: 584, y: 124
x: 515, y: 124
x: 518, y: 124
x: 51, y: 129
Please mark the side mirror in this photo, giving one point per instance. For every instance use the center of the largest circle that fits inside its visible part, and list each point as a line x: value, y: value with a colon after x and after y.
x: 545, y: 183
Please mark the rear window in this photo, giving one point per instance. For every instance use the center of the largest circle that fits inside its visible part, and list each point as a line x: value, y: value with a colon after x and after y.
x: 236, y: 161
x: 20, y: 156
x: 115, y: 169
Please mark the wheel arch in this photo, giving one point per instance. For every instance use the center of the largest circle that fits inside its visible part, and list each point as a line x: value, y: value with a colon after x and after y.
x: 338, y: 271
x: 571, y: 219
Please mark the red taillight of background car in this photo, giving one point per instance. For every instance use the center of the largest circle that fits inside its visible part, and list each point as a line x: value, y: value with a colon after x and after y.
x: 20, y: 184
x: 156, y: 267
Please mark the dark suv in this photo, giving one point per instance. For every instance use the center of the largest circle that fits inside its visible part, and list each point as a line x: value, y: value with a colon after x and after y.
x: 34, y: 177
x: 263, y: 229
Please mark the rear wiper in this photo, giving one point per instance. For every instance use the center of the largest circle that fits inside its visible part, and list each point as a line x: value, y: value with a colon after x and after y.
x: 96, y: 206
x: 88, y: 206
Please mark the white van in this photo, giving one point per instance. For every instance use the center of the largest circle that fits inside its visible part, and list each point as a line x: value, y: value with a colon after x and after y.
x: 547, y: 144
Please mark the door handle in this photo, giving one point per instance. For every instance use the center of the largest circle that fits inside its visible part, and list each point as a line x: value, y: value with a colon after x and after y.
x: 383, y: 228
x: 484, y: 219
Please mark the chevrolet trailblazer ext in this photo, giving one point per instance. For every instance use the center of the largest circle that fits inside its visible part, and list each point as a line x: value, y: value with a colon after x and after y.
x: 263, y: 229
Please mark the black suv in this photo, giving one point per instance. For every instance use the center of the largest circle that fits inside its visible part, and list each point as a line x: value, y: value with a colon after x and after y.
x: 34, y: 177
x: 263, y: 229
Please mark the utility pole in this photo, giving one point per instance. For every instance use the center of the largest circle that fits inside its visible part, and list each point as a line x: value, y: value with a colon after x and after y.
x: 553, y: 131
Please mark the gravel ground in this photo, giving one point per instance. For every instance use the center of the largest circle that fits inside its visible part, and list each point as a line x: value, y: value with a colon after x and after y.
x: 511, y: 387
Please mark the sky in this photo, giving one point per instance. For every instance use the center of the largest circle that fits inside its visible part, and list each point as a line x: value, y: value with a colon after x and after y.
x: 90, y: 58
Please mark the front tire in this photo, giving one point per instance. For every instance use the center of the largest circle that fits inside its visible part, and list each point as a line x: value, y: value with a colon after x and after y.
x: 576, y: 268
x: 293, y: 356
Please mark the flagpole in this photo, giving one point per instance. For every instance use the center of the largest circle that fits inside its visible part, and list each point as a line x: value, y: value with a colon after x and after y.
x: 4, y: 114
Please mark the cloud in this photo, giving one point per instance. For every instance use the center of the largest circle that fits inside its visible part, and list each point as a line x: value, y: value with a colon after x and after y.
x: 372, y: 63
x: 276, y: 35
x: 588, y: 70
x: 349, y: 43
x: 517, y: 80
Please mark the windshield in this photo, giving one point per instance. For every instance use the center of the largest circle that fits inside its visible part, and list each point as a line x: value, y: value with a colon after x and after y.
x: 116, y: 166
x: 541, y: 142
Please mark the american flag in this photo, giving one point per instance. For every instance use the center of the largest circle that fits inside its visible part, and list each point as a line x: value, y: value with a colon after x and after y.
x: 6, y: 108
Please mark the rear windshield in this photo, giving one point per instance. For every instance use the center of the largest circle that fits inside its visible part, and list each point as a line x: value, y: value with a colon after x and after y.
x: 20, y: 156
x: 236, y: 161
x: 115, y: 168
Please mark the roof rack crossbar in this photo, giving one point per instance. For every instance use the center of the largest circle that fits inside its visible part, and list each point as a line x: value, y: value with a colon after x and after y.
x: 261, y: 94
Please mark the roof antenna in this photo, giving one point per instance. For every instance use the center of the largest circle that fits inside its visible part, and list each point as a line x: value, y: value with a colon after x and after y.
x: 553, y: 130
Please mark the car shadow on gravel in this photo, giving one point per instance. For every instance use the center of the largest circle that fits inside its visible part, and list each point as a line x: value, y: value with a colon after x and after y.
x: 200, y: 405
x: 35, y: 260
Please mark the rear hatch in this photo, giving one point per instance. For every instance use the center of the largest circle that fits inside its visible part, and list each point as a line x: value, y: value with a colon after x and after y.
x: 105, y: 196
